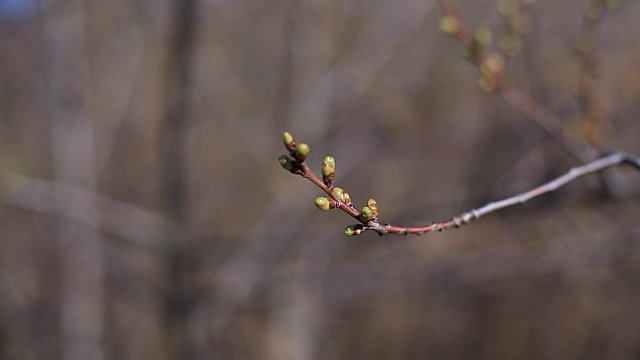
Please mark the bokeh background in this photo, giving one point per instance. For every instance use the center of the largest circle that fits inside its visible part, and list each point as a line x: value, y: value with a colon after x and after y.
x: 144, y: 214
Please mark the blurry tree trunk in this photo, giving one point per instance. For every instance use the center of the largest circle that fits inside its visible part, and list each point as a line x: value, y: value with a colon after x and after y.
x: 73, y: 153
x: 180, y: 266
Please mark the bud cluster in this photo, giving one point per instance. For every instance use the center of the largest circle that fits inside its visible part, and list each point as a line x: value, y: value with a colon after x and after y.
x: 338, y: 197
x: 297, y: 154
x: 491, y: 67
x: 369, y: 212
x: 517, y: 22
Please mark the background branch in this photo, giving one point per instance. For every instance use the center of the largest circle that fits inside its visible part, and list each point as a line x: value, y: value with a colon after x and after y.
x: 496, y: 83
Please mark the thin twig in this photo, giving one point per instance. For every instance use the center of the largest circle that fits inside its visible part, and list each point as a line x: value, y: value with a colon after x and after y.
x: 614, y: 159
x: 299, y: 166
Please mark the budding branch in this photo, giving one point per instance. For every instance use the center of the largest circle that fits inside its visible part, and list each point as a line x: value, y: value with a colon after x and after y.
x: 368, y: 219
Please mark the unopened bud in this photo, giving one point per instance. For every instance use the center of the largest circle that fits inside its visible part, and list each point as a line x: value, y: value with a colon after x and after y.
x: 330, y: 160
x: 492, y: 64
x: 302, y: 151
x: 324, y: 203
x: 373, y: 205
x: 289, y: 143
x: 366, y: 214
x: 343, y: 195
x: 354, y: 230
x: 449, y: 25
x: 482, y: 35
x: 287, y: 162
x: 328, y: 170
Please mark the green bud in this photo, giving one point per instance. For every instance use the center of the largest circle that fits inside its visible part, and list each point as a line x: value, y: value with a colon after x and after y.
x: 328, y: 166
x: 449, y: 25
x: 343, y: 195
x: 323, y: 203
x: 286, y: 161
x: 487, y: 83
x: 354, y: 230
x: 330, y: 160
x: 366, y: 214
x: 289, y: 143
x: 492, y: 64
x: 328, y: 170
x: 301, y: 152
x: 482, y: 35
x: 373, y: 205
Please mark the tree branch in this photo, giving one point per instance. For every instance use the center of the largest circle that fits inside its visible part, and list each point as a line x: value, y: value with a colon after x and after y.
x: 368, y: 217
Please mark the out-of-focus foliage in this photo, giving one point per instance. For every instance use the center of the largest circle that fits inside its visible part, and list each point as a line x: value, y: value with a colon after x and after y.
x: 111, y: 111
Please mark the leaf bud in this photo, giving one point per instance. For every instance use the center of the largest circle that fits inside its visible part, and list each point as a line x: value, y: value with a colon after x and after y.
x: 328, y: 166
x: 482, y: 35
x: 324, y: 203
x: 449, y: 25
x: 373, y: 205
x: 289, y: 143
x: 301, y: 153
x: 328, y: 170
x: 354, y: 230
x: 492, y: 64
x: 366, y: 214
x: 343, y: 195
x: 330, y: 160
x: 287, y: 162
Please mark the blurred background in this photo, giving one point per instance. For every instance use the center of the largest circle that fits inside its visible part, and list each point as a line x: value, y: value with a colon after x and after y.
x: 144, y: 214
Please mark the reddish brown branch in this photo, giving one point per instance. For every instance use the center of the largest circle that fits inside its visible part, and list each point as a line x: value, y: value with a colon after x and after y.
x: 308, y: 174
x: 297, y: 165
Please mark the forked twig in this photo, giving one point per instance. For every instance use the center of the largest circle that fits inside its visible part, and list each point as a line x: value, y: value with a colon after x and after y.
x: 368, y: 216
